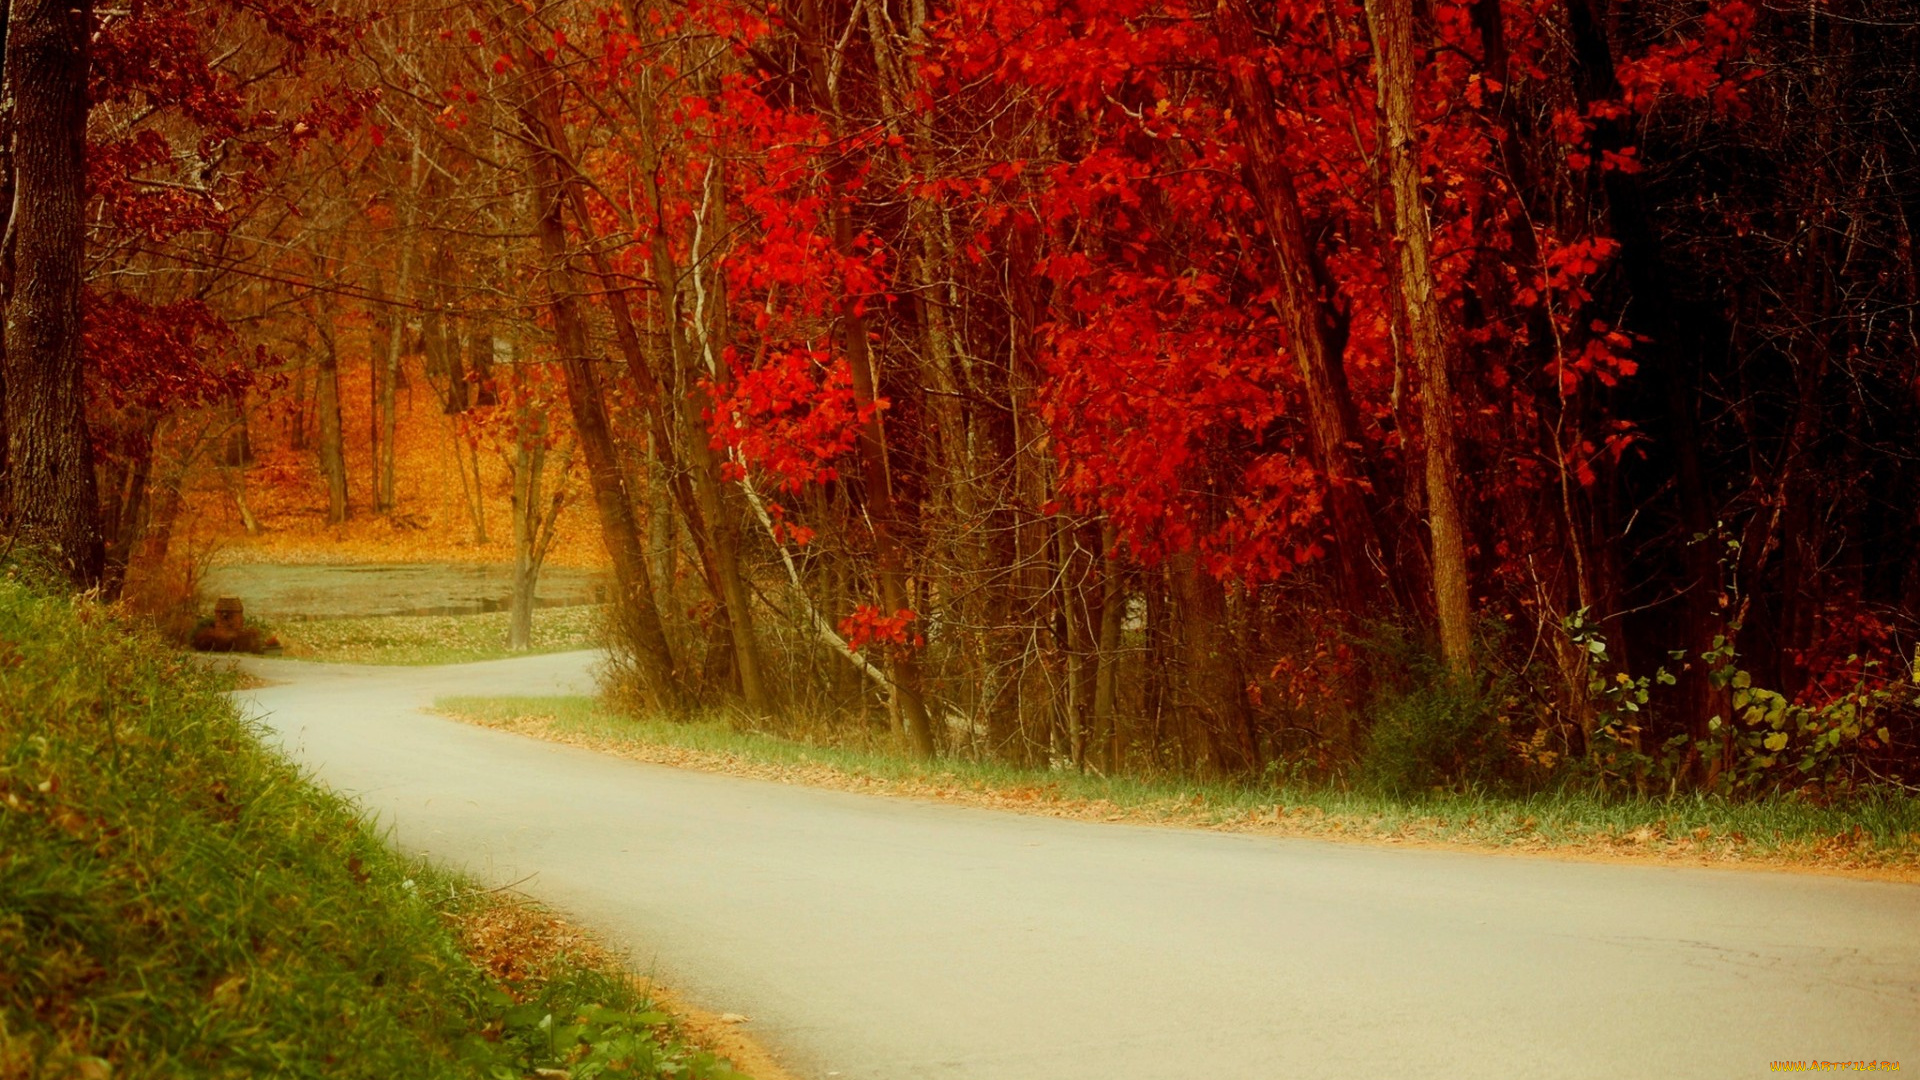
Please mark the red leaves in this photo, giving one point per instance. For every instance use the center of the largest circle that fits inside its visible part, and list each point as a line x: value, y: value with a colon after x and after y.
x: 166, y: 357
x: 793, y: 416
x: 867, y: 625
x: 1692, y: 68
x: 1170, y: 393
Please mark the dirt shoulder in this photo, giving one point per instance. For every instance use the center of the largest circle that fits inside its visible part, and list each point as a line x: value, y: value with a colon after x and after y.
x: 1848, y: 854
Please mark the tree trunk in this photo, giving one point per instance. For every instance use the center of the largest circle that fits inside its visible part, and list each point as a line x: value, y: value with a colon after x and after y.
x: 881, y: 510
x: 1304, y: 302
x: 1392, y: 25
x: 712, y: 520
x: 635, y: 604
x: 131, y: 521
x: 297, y: 417
x: 1216, y: 685
x: 333, y: 454
x: 1113, y: 603
x: 717, y: 512
x: 889, y: 553
x: 529, y: 465
x: 49, y: 459
x: 388, y: 380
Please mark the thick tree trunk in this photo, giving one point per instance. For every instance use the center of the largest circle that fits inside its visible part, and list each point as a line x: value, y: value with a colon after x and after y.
x: 54, y: 505
x: 700, y: 490
x: 882, y: 511
x: 889, y: 554
x: 719, y: 511
x: 1392, y: 24
x: 1216, y: 684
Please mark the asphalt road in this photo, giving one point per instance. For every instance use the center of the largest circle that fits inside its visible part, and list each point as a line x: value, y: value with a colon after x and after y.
x: 885, y: 939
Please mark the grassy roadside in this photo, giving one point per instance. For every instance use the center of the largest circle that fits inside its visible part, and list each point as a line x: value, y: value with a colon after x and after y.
x: 433, y: 639
x: 1880, y: 837
x: 175, y: 901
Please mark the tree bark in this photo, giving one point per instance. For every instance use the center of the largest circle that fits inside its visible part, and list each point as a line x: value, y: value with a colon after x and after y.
x: 653, y: 657
x: 53, y: 503
x: 1392, y: 27
x: 529, y: 468
x: 1216, y: 684
x: 333, y: 455
x: 890, y: 563
x: 882, y: 511
x: 700, y: 490
x: 1113, y: 603
x: 1304, y: 301
x: 389, y: 380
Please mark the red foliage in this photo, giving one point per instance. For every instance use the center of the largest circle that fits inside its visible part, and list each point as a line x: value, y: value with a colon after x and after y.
x: 178, y: 355
x: 868, y: 625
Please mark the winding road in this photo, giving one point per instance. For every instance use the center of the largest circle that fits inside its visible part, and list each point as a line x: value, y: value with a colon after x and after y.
x: 887, y: 939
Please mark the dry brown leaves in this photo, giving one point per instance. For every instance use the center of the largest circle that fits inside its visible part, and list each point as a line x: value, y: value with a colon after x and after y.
x: 431, y: 522
x: 519, y: 943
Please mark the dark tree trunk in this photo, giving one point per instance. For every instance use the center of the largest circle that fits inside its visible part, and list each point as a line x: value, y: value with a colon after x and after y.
x: 1314, y: 334
x: 53, y: 502
x: 881, y: 505
x: 1113, y: 603
x: 1216, y: 683
x: 333, y: 457
x: 619, y: 529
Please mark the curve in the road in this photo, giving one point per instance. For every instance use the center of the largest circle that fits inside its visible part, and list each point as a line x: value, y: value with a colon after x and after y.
x: 888, y: 939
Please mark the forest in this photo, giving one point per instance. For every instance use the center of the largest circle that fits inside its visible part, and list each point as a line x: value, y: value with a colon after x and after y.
x: 1493, y: 393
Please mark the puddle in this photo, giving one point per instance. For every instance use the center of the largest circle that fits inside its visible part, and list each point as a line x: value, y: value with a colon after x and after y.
x: 358, y: 590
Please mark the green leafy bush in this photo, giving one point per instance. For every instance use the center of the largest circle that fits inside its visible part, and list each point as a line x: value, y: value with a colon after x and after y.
x: 1440, y: 731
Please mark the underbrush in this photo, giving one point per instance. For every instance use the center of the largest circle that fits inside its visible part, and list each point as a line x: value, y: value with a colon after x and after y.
x: 176, y: 901
x: 1876, y: 829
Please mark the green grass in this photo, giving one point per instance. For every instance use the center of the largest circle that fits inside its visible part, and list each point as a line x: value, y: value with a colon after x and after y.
x: 176, y: 901
x: 434, y: 639
x: 1881, y: 830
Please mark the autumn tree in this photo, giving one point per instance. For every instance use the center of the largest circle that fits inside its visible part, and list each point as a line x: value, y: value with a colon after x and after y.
x: 48, y: 482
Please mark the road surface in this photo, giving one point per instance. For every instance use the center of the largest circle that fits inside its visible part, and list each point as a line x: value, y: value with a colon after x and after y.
x: 875, y: 938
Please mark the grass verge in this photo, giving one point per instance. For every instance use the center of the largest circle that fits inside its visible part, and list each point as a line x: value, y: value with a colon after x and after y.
x: 176, y: 901
x: 1878, y: 836
x: 434, y: 639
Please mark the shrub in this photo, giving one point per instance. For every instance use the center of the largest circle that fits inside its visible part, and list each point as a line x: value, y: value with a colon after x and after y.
x: 1442, y: 731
